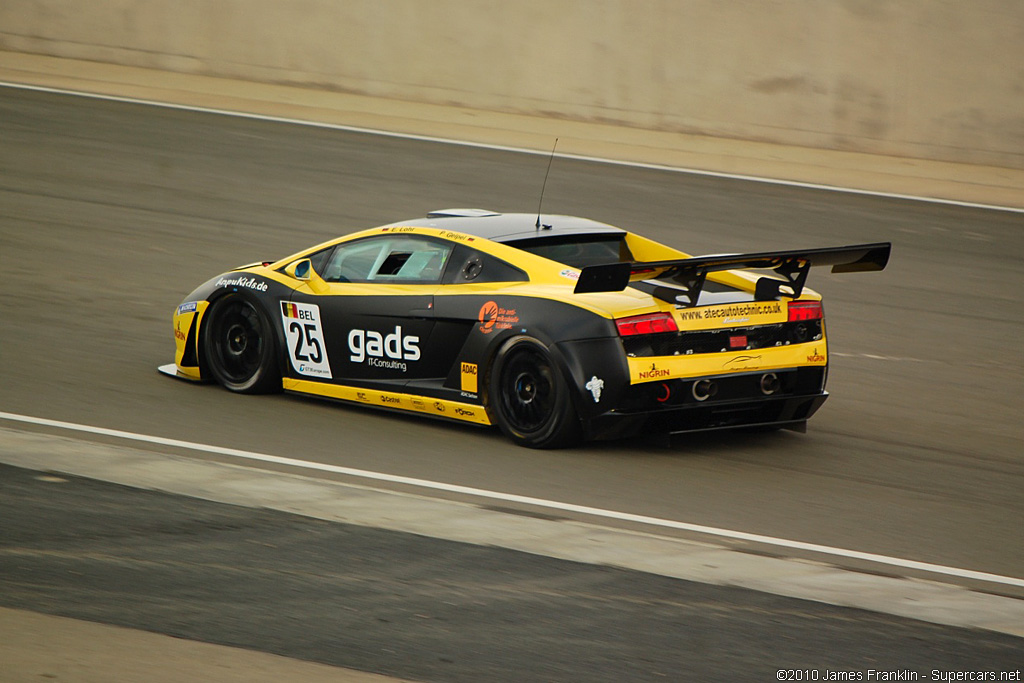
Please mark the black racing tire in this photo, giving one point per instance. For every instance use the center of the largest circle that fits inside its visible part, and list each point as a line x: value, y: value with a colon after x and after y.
x: 529, y: 397
x: 239, y: 346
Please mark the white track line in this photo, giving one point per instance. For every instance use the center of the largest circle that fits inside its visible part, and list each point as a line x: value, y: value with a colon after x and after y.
x: 537, y: 502
x: 504, y: 148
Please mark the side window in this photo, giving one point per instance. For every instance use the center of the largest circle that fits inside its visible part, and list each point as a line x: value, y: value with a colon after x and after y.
x: 319, y: 259
x: 469, y: 265
x: 388, y: 258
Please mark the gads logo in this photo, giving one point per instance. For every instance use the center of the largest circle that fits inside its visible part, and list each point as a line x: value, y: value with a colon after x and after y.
x: 364, y: 344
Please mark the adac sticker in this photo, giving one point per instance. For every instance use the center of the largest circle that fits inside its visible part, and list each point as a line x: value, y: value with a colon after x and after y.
x: 468, y: 372
x: 306, y: 349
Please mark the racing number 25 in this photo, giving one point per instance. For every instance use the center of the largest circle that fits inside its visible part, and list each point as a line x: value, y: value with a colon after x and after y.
x: 306, y: 349
x: 305, y: 339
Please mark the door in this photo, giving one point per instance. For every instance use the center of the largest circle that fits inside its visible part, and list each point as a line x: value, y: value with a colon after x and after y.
x: 367, y: 317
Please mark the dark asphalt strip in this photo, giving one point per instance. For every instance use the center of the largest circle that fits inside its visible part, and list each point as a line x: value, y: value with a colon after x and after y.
x: 418, y: 607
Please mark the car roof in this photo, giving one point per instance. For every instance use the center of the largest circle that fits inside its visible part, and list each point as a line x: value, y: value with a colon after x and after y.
x: 510, y: 227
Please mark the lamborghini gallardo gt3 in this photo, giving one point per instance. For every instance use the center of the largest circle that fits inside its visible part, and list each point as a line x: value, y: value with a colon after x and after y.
x: 553, y: 328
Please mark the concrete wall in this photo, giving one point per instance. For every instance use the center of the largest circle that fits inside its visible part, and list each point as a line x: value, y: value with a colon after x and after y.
x: 939, y: 79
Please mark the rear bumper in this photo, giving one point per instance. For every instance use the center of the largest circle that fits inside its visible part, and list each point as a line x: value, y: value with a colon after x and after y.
x: 776, y: 399
x: 788, y: 411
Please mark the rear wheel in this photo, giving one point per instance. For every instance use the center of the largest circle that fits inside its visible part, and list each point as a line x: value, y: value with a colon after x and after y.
x: 239, y: 346
x: 530, y: 398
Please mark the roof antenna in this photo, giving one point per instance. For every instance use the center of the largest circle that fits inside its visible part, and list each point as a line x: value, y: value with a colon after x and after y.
x: 541, y: 202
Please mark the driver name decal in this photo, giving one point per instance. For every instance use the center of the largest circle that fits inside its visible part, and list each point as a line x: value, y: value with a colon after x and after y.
x: 306, y: 349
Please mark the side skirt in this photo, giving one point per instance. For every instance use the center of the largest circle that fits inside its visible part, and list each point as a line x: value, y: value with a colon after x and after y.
x: 430, y: 407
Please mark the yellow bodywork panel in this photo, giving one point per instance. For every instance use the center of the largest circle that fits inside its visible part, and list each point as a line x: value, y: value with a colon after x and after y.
x: 660, y: 368
x: 184, y: 317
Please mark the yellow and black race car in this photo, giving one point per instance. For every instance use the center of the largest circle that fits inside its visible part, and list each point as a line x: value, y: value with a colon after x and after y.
x: 553, y: 328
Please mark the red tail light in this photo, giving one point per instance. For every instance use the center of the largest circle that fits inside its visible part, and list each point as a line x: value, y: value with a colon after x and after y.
x: 737, y: 341
x: 805, y: 310
x: 646, y: 324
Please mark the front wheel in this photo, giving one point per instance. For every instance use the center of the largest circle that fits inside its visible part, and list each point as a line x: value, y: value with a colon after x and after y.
x: 529, y: 397
x: 239, y: 347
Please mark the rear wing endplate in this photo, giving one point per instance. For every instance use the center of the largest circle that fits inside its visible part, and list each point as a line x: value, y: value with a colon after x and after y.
x: 689, y: 273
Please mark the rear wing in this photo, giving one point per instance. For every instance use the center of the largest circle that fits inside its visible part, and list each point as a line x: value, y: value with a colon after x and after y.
x: 689, y: 273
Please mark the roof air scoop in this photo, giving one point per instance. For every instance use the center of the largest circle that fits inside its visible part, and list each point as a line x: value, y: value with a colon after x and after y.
x: 461, y: 213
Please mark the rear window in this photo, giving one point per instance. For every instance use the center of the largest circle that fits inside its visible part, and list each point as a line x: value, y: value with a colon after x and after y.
x: 578, y: 251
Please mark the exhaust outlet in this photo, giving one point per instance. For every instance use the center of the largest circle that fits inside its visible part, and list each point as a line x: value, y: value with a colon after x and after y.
x: 769, y: 383
x: 703, y: 389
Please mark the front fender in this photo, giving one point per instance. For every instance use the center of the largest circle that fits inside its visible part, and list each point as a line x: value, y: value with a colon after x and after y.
x: 265, y: 290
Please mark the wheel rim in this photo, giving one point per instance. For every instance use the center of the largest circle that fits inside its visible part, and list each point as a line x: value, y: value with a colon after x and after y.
x: 528, y: 390
x: 238, y: 341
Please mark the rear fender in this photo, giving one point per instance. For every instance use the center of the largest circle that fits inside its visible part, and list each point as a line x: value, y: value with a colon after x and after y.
x: 596, y: 371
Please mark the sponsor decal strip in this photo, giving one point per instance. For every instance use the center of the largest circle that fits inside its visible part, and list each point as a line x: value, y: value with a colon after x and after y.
x: 455, y: 410
x: 527, y: 500
x: 747, y: 314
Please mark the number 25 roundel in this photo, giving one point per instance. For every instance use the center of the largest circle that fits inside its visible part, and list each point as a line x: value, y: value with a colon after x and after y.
x: 306, y: 348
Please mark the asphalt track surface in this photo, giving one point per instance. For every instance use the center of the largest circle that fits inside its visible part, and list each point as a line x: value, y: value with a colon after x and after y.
x: 422, y: 608
x: 110, y: 213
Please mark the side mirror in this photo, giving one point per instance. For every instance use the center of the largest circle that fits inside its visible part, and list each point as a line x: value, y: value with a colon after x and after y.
x: 300, y: 270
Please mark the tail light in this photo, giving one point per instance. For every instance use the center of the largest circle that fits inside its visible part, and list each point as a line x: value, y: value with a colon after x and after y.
x: 805, y: 310
x: 646, y: 324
